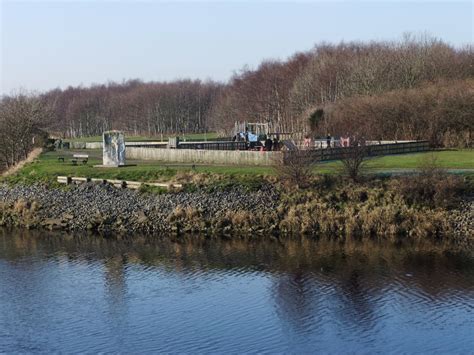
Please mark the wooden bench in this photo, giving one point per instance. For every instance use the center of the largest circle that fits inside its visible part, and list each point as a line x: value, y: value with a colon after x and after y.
x: 83, y: 158
x: 61, y: 159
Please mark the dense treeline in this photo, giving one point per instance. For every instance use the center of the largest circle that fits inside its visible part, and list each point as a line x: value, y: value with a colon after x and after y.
x: 414, y: 88
x: 22, y: 119
x: 441, y: 112
x: 133, y: 106
x: 296, y: 94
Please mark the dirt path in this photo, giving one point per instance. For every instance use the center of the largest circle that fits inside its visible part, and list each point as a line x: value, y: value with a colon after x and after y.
x: 404, y: 171
x: 32, y: 156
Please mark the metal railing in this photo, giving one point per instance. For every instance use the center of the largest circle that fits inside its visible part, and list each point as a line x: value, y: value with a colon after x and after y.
x: 337, y: 153
x: 229, y: 145
x: 318, y: 154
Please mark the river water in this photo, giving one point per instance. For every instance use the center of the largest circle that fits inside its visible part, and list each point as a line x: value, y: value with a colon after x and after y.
x: 61, y: 293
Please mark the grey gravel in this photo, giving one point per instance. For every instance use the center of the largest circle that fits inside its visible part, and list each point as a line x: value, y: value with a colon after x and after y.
x: 462, y: 219
x: 104, y: 207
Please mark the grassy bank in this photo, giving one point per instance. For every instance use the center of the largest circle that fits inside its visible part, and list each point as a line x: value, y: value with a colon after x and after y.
x: 402, y: 209
x: 47, y: 167
x: 410, y: 207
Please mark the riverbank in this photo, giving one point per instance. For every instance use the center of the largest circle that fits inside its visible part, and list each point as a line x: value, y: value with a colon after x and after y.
x: 104, y: 208
x: 372, y: 210
x: 52, y: 164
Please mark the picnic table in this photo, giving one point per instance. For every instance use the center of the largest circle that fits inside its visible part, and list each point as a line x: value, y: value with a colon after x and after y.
x: 83, y: 158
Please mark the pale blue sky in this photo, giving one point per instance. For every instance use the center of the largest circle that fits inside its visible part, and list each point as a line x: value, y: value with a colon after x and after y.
x: 56, y: 44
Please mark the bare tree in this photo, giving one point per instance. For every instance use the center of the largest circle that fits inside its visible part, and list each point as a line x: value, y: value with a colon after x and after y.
x: 296, y: 167
x: 21, y: 120
x: 353, y: 158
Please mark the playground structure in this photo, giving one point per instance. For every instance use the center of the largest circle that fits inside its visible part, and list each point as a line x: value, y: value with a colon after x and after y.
x: 261, y: 130
x: 258, y: 129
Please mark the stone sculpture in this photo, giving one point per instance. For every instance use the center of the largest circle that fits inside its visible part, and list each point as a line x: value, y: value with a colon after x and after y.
x: 113, y: 148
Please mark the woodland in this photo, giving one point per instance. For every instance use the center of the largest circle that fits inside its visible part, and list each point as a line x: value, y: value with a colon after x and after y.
x: 415, y: 88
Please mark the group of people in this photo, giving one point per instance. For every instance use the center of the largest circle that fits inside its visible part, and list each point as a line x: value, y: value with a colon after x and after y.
x: 264, y: 142
x: 272, y: 145
x: 254, y: 142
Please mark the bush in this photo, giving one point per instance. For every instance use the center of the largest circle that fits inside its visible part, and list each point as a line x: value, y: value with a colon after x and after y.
x: 296, y: 168
x: 431, y: 186
x: 353, y: 159
x: 431, y: 190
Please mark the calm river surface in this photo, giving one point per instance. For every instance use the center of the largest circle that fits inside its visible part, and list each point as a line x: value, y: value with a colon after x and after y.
x: 60, y: 293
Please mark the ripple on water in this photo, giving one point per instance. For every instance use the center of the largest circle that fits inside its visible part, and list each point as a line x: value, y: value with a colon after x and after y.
x: 102, y: 296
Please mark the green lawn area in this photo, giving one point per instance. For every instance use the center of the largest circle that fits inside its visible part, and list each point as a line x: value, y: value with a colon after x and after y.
x: 448, y: 159
x: 199, y: 136
x: 47, y: 167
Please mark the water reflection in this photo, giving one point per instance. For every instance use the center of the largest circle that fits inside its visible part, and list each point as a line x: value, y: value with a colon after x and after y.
x: 115, y: 291
x: 72, y: 293
x: 357, y: 305
x: 114, y: 275
x: 294, y: 298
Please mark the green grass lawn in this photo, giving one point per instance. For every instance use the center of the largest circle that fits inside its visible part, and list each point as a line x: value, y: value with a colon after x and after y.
x: 448, y: 159
x: 47, y: 167
x: 200, y: 136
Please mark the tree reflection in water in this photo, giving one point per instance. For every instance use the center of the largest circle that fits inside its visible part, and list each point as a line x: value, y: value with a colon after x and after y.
x: 312, y: 284
x: 115, y: 284
x: 296, y: 299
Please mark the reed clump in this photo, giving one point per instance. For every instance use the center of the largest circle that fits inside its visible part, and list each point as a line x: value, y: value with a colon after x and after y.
x: 432, y: 189
x: 242, y: 223
x: 376, y: 210
x: 186, y: 219
x: 22, y: 213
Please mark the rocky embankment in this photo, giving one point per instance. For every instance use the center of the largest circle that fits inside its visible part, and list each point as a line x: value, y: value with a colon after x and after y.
x: 462, y: 219
x: 105, y: 208
x: 234, y: 211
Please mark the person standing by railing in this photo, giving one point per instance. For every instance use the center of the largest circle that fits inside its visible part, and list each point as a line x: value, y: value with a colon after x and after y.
x: 276, y: 143
x: 268, y: 144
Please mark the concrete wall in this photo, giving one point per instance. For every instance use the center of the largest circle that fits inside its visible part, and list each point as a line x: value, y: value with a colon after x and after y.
x: 220, y: 157
x: 240, y: 157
